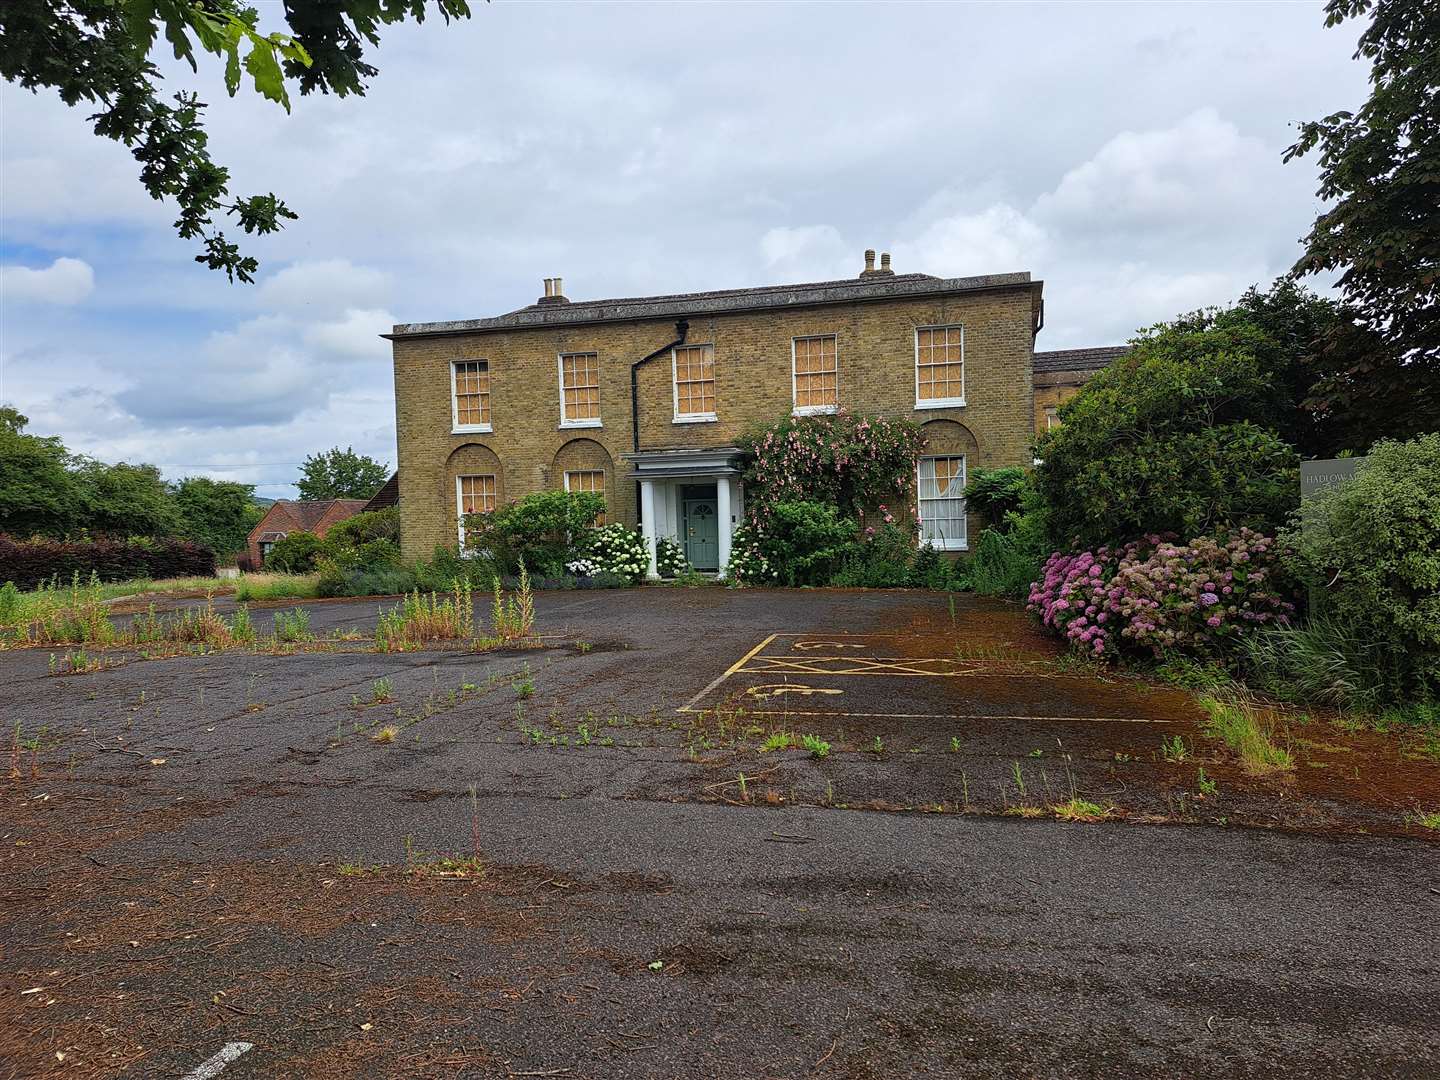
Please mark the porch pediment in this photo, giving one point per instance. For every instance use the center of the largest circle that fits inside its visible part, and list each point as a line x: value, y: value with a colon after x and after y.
x: 663, y: 464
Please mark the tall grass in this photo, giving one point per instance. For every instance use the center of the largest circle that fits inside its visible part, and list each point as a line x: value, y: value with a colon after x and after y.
x: 1244, y: 727
x: 193, y: 626
x: 277, y: 587
x: 1001, y: 566
x: 513, y: 616
x: 426, y: 617
x: 56, y: 615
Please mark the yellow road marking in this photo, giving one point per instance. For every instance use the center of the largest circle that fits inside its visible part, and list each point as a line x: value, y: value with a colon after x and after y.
x: 731, y: 670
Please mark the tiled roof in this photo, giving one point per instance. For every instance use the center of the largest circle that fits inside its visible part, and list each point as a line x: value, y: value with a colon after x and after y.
x: 1079, y: 359
x: 388, y: 495
x: 724, y: 300
x: 311, y: 514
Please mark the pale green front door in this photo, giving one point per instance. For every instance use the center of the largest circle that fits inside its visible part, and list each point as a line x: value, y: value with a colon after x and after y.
x: 700, y: 521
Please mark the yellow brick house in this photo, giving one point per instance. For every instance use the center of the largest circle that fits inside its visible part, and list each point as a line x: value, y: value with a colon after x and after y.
x: 643, y: 399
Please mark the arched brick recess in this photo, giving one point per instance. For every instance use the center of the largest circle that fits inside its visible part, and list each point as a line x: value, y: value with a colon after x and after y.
x: 472, y: 459
x: 948, y: 438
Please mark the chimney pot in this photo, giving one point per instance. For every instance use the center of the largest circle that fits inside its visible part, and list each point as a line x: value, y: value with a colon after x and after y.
x: 561, y: 292
x: 885, y: 263
x: 549, y: 290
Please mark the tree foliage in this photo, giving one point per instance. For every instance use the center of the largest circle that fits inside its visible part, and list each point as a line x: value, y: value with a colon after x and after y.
x: 98, y: 52
x: 219, y: 513
x: 294, y: 553
x: 1380, y: 170
x: 1166, y: 439
x: 1370, y: 550
x: 341, y: 474
x: 38, y: 494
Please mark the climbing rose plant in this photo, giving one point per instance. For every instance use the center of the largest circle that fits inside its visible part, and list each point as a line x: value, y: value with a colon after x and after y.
x: 854, y: 462
x: 1154, y: 594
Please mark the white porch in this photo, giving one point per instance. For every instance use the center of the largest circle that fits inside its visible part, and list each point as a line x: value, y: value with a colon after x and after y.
x: 695, y: 498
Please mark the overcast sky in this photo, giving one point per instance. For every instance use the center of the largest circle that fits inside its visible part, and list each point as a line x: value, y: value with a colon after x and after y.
x: 1128, y: 154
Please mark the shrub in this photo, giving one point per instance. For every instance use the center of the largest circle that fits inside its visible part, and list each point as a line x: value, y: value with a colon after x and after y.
x: 448, y: 568
x: 851, y: 461
x: 881, y: 560
x: 294, y: 554
x: 1164, y: 441
x: 670, y: 558
x: 996, y: 493
x: 1370, y: 552
x: 799, y: 543
x: 1158, y: 595
x: 543, y: 530
x: 619, y: 550
x: 31, y: 563
x: 1001, y: 566
x: 371, y: 581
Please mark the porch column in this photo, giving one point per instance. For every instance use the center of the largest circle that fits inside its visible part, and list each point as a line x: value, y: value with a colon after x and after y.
x: 722, y: 511
x: 647, y: 524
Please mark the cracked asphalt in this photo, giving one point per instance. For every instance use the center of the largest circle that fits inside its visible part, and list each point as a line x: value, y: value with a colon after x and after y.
x: 217, y: 849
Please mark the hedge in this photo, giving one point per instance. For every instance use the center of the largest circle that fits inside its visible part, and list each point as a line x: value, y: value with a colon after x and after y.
x: 29, y: 563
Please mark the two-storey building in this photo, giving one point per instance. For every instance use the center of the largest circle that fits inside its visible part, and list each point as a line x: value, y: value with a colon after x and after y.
x: 643, y: 399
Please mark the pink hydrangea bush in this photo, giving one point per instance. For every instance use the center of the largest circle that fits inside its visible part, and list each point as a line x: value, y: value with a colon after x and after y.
x: 1156, y: 594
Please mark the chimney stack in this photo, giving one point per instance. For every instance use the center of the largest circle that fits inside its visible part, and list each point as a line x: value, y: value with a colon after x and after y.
x: 553, y: 292
x: 885, y: 263
x: 870, y: 270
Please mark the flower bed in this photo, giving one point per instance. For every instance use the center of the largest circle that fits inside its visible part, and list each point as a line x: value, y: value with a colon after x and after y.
x: 1156, y: 594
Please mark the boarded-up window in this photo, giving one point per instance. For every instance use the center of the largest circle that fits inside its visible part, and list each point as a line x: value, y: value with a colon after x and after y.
x: 580, y: 388
x: 816, y: 374
x: 695, y: 381
x: 472, y: 393
x: 475, y: 494
x: 939, y: 365
x: 942, y: 502
x: 592, y: 480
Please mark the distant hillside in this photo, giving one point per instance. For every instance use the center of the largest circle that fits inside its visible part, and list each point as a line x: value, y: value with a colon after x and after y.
x: 260, y: 500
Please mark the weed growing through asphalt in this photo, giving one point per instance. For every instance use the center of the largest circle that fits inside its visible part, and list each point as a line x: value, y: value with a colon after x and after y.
x: 1174, y: 749
x: 252, y: 702
x: 380, y: 691
x: 1205, y: 784
x: 817, y: 746
x: 954, y: 744
x: 777, y: 740
x: 293, y: 627
x: 423, y: 618
x: 513, y: 616
x: 524, y: 685
x: 1240, y: 722
x: 1025, y: 811
x: 1080, y: 810
x: 582, y: 647
x: 385, y: 734
x: 1019, y: 777
x: 1426, y: 819
x: 878, y: 746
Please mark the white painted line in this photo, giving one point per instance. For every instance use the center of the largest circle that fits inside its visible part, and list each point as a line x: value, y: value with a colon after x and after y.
x: 213, y: 1067
x: 948, y: 716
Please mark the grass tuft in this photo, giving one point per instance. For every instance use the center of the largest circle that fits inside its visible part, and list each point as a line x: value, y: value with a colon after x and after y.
x: 1241, y: 723
x: 1080, y: 810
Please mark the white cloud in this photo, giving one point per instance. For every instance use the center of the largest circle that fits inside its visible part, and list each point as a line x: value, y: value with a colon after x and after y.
x: 323, y: 285
x: 64, y: 281
x: 356, y: 333
x: 998, y: 239
x: 807, y: 253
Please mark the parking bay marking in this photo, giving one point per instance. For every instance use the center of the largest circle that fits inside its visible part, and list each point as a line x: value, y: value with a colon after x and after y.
x: 214, y: 1065
x: 882, y: 667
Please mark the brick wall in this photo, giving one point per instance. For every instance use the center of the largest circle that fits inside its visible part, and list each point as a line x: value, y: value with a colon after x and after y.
x: 1053, y: 389
x: 529, y: 451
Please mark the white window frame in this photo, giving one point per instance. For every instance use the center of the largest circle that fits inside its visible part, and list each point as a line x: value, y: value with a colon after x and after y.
x: 604, y: 486
x: 940, y: 403
x: 1052, y: 419
x: 689, y: 418
x: 459, y: 502
x: 457, y: 428
x: 560, y: 382
x: 948, y: 543
x: 813, y: 410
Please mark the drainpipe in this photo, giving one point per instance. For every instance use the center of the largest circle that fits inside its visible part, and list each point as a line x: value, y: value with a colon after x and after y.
x: 681, y: 329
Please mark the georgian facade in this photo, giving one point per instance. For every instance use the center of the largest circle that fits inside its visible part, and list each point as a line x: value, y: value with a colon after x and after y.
x: 643, y: 399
